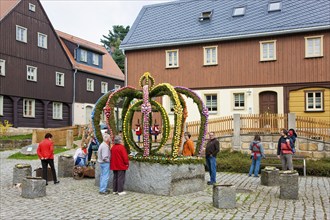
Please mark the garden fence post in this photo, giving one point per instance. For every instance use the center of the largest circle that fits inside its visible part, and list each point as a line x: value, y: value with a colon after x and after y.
x: 292, y: 121
x: 237, y: 132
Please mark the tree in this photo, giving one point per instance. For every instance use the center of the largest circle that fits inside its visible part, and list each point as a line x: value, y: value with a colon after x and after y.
x: 112, y: 43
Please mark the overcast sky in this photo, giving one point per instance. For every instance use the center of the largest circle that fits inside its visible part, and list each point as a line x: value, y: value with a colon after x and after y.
x: 90, y: 19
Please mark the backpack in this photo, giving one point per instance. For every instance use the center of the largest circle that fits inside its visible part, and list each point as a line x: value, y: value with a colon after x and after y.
x: 293, y: 136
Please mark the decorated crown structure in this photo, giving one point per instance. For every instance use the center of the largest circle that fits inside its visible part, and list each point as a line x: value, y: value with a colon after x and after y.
x: 143, y: 100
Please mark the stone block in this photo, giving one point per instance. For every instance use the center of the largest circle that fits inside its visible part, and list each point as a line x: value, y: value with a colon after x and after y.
x: 308, y: 154
x: 245, y: 145
x: 20, y: 171
x: 224, y: 196
x: 225, y: 145
x: 49, y: 173
x: 270, y: 152
x: 273, y: 146
x: 303, y: 146
x: 168, y: 180
x: 266, y: 145
x: 312, y: 146
x: 30, y: 149
x: 289, y: 185
x: 33, y: 187
x: 65, y: 165
x: 247, y: 138
x: 320, y: 146
x: 267, y: 138
x: 327, y: 147
x: 270, y: 177
x: 318, y: 155
x: 326, y: 154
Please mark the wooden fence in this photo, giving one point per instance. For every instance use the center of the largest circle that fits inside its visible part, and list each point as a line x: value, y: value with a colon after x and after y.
x: 313, y: 129
x: 263, y: 123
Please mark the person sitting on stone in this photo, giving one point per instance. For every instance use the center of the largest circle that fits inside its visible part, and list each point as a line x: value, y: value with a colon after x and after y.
x: 80, y: 156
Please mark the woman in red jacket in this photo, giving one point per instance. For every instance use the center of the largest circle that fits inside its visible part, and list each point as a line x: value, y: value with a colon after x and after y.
x: 119, y: 164
x: 45, y: 153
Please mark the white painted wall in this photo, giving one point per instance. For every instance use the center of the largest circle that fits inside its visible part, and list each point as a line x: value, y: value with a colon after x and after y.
x: 226, y: 102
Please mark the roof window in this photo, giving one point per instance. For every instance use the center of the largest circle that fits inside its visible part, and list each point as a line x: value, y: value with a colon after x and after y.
x: 239, y: 11
x: 205, y: 15
x: 274, y: 6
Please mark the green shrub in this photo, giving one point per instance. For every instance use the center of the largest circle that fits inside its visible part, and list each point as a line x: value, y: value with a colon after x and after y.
x: 240, y: 163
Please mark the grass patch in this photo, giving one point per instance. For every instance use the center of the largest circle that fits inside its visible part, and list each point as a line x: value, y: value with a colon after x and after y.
x: 17, y: 137
x: 238, y: 162
x: 20, y: 156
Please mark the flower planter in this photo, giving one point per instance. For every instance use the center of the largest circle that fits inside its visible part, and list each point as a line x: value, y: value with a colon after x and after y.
x: 224, y: 196
x: 33, y: 187
x: 168, y: 180
x: 21, y: 171
x: 270, y: 177
x: 65, y: 165
x: 289, y: 185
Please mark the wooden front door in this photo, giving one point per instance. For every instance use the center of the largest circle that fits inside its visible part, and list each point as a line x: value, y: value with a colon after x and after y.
x: 268, y: 103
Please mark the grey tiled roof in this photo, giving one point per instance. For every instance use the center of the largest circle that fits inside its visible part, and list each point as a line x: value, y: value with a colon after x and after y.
x: 177, y: 23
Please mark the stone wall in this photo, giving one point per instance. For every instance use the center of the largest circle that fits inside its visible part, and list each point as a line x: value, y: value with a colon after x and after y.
x: 304, y: 147
x: 13, y: 144
x: 60, y: 135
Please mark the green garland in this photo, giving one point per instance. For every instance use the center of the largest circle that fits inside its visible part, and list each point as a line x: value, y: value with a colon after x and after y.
x: 128, y: 135
x: 98, y: 110
x: 199, y: 104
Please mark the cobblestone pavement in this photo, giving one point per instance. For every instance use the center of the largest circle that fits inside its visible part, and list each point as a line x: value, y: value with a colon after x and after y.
x: 79, y: 199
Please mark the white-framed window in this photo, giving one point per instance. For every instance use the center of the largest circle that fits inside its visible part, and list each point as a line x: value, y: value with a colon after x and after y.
x: 90, y: 85
x: 104, y: 87
x: 1, y: 105
x: 117, y: 87
x: 2, y: 67
x: 96, y: 59
x: 239, y: 101
x: 275, y: 6
x: 211, y: 55
x: 42, y: 40
x: 29, y: 108
x: 267, y: 50
x: 32, y: 7
x: 171, y: 106
x: 31, y: 73
x: 239, y: 11
x: 83, y: 55
x: 172, y: 58
x: 57, y: 110
x: 314, y: 100
x: 59, y: 79
x: 314, y: 46
x: 211, y: 102
x: 21, y: 33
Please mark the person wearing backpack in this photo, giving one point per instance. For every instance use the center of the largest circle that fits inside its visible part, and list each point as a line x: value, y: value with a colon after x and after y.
x: 293, y: 136
x: 257, y: 152
x: 284, y: 150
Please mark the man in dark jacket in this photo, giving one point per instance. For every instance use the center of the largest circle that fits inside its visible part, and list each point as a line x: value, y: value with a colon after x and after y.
x: 211, y: 151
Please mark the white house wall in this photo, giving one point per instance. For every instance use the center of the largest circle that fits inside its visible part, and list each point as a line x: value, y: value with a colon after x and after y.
x: 225, y: 98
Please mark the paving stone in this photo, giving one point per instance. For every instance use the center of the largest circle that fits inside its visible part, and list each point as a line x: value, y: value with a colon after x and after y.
x: 263, y: 201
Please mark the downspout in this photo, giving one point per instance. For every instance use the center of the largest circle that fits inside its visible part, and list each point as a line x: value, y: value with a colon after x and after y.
x: 74, y: 85
x: 74, y: 94
x: 125, y: 68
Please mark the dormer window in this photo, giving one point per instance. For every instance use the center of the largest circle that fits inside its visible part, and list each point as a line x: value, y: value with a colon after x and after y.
x: 32, y: 7
x: 274, y: 6
x: 205, y: 15
x: 240, y: 11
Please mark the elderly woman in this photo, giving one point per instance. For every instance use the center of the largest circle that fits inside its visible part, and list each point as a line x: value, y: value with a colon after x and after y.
x: 119, y: 164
